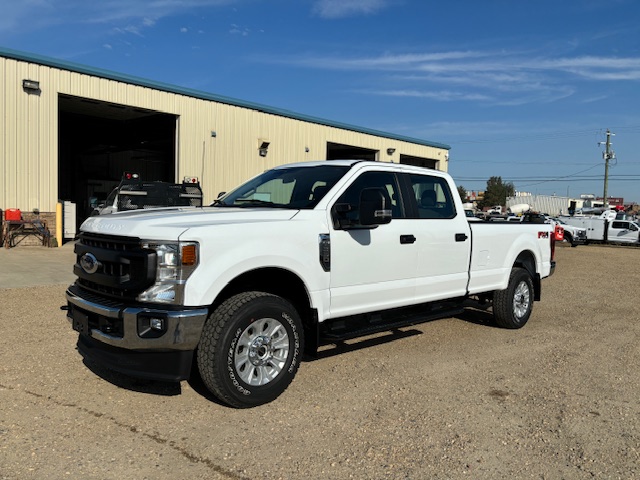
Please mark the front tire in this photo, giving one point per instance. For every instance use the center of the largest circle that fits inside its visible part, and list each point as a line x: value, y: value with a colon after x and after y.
x: 512, y: 307
x: 250, y: 349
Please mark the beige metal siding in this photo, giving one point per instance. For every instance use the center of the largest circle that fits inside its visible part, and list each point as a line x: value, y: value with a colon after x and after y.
x: 29, y: 136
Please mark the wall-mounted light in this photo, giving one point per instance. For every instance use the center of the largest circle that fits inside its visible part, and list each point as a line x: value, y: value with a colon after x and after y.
x: 263, y: 147
x: 213, y: 134
x: 390, y: 151
x: 31, y: 86
x: 306, y: 149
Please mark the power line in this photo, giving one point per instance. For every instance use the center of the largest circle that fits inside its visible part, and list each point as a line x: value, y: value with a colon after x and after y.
x: 536, y: 137
x: 545, y: 136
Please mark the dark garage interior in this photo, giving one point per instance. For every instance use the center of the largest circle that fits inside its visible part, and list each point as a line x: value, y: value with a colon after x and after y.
x: 337, y: 151
x: 99, y: 141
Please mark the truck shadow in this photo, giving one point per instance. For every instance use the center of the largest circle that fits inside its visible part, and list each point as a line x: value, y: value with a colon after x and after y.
x: 141, y: 385
x: 477, y: 316
x: 355, y: 344
x: 156, y: 387
x: 152, y: 387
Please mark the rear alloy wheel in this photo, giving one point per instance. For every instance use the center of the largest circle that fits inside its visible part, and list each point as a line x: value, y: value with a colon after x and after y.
x: 512, y: 306
x: 250, y: 349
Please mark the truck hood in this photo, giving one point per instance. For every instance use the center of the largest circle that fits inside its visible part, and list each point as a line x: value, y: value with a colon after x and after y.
x: 170, y: 223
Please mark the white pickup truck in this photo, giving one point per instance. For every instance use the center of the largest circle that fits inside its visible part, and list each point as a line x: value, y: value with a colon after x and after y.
x: 607, y: 228
x: 301, y: 256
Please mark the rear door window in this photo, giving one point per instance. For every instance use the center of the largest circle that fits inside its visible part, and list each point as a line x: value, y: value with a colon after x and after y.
x: 432, y: 197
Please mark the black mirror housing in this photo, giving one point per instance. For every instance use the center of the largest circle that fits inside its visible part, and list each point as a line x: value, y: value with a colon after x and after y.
x: 374, y: 207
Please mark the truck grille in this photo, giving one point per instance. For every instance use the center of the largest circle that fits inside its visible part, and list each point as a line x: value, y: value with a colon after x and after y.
x: 124, y: 269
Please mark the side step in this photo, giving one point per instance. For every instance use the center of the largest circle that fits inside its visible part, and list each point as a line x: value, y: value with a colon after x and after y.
x: 348, y: 328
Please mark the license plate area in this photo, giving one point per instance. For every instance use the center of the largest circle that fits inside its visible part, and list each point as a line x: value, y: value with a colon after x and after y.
x: 80, y: 322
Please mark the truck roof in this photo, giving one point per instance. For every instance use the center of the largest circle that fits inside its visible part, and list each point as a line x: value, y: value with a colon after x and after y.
x: 354, y: 162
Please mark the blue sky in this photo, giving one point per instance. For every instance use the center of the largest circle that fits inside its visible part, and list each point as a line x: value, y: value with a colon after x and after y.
x: 520, y: 89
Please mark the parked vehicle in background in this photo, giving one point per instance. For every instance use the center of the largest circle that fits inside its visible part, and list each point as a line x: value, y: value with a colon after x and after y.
x: 519, y: 208
x: 471, y: 216
x: 534, y: 217
x: 135, y: 194
x: 572, y: 234
x: 606, y: 228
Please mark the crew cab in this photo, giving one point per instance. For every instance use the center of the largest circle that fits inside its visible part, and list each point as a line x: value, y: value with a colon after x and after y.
x: 301, y: 256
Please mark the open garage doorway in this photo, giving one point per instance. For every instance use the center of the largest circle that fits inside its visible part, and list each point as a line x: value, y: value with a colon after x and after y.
x: 99, y: 141
x: 337, y: 151
x: 419, y: 161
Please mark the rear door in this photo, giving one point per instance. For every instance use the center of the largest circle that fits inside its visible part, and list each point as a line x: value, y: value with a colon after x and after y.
x: 443, y: 238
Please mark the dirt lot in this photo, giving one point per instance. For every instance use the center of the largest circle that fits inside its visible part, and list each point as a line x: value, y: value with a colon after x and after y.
x: 453, y: 398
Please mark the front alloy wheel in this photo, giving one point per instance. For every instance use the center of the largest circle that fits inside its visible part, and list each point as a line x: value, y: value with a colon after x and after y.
x: 250, y: 349
x: 262, y: 351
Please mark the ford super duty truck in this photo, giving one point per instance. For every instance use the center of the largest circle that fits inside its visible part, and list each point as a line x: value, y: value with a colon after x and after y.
x: 301, y: 256
x: 135, y: 194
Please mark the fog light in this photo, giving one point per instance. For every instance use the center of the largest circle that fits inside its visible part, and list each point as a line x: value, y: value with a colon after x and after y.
x: 157, y: 323
x: 151, y: 325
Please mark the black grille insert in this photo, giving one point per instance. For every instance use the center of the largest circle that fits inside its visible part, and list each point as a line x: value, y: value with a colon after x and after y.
x: 124, y: 268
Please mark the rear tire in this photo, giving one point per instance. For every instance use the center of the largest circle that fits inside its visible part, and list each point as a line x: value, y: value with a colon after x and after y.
x: 250, y: 349
x: 512, y: 307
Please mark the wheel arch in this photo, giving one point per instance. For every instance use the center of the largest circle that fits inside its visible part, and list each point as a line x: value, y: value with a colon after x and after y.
x: 283, y: 283
x: 527, y: 260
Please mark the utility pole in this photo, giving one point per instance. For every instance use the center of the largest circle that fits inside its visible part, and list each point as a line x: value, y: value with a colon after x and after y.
x: 607, y: 155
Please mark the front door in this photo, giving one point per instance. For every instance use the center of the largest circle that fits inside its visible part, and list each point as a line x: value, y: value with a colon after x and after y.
x: 623, y: 231
x: 372, y: 268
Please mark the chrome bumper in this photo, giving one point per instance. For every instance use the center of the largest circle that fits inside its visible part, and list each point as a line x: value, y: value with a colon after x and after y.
x: 181, y: 331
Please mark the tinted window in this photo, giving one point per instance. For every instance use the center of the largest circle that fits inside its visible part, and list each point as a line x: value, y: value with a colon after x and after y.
x: 433, y: 197
x: 294, y: 187
x: 620, y: 225
x: 385, y: 180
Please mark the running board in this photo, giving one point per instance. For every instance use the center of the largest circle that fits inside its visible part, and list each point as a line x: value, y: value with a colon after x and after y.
x: 360, y: 325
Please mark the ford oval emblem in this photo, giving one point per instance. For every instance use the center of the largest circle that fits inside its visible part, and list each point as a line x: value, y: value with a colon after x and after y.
x: 89, y: 263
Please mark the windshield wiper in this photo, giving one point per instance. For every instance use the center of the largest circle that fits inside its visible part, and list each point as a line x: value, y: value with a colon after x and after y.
x: 251, y: 202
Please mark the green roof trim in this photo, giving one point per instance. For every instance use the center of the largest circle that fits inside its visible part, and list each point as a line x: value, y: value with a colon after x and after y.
x: 144, y: 82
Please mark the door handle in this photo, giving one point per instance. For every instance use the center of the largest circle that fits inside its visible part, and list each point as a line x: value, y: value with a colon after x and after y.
x: 404, y: 239
x: 461, y: 237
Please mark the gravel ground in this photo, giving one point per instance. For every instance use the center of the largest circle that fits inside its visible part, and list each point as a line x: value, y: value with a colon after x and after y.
x: 453, y: 398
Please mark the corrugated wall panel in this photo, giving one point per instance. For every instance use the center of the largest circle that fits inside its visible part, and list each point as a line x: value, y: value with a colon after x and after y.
x: 15, y: 117
x: 4, y: 131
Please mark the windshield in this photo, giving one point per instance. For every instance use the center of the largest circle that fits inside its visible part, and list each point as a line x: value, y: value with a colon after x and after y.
x: 294, y: 187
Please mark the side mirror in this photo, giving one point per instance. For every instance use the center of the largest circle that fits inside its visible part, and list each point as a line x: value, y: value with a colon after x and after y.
x: 373, y: 207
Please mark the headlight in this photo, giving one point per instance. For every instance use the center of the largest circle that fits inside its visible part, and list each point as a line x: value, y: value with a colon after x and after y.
x: 176, y: 262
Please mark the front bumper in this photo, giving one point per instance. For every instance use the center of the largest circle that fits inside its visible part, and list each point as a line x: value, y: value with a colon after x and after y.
x: 580, y: 237
x: 118, y: 336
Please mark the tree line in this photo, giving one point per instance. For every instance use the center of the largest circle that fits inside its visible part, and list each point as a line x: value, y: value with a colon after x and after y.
x: 496, y: 193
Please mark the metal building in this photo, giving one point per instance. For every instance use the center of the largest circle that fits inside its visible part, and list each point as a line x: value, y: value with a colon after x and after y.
x: 69, y: 131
